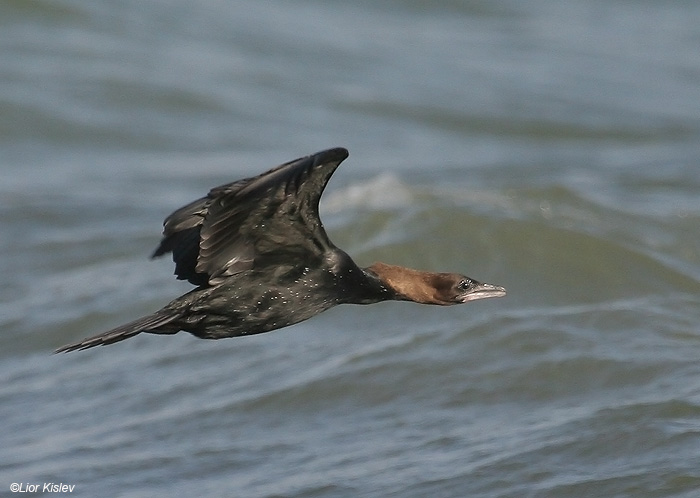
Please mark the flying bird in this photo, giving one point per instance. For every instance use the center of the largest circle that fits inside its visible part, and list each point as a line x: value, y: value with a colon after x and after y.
x: 260, y: 259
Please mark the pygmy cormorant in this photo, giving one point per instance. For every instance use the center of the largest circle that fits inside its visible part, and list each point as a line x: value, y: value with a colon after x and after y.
x: 261, y: 260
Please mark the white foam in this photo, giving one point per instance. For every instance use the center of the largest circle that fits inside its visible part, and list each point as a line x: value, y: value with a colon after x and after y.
x: 385, y: 191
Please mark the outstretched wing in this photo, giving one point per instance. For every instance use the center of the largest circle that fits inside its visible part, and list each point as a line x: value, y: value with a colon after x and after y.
x: 255, y: 221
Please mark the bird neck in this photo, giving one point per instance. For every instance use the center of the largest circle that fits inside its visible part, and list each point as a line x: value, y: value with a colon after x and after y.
x: 406, y: 283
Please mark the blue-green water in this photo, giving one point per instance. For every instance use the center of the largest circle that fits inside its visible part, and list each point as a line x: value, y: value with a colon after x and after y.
x: 552, y: 147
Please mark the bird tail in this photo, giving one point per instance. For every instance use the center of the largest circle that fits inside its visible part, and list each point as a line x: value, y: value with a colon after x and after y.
x: 151, y: 323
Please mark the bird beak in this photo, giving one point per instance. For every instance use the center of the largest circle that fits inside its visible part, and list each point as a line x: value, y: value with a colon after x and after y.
x: 483, y: 291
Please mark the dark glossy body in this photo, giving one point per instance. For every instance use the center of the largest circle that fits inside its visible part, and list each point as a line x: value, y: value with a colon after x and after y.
x: 260, y: 300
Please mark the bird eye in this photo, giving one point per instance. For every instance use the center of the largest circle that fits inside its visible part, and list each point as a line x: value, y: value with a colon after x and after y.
x: 464, y: 284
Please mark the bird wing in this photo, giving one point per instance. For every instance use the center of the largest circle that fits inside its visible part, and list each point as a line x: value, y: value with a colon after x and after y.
x: 255, y: 221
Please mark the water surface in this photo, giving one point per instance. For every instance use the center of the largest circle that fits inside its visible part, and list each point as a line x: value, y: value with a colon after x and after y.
x: 550, y: 147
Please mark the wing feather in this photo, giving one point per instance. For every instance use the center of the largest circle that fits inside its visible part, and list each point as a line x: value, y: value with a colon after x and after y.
x: 252, y: 222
